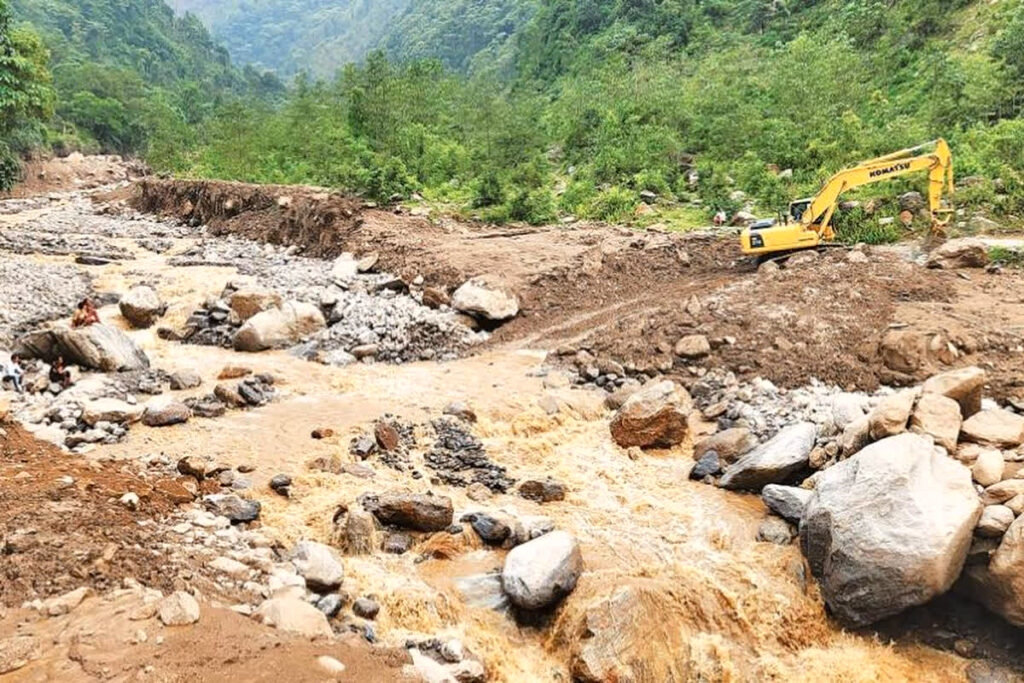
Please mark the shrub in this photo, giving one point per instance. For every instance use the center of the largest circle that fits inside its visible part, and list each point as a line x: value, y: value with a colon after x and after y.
x: 855, y: 226
x: 615, y: 205
x: 10, y: 168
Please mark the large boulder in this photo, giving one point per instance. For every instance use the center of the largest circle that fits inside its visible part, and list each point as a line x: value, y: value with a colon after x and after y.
x: 963, y: 386
x: 249, y: 301
x: 111, y: 410
x: 96, y: 347
x: 996, y: 428
x: 938, y: 417
x: 279, y: 328
x: 730, y: 444
x: 292, y: 615
x: 999, y: 585
x: 966, y: 252
x: 774, y: 461
x: 317, y: 564
x: 541, y: 572
x: 486, y: 298
x: 141, y: 306
x: 416, y: 511
x: 889, y: 528
x: 165, y: 413
x: 654, y: 416
x: 890, y: 416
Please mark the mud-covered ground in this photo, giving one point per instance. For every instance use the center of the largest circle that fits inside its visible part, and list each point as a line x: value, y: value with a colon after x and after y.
x: 675, y: 585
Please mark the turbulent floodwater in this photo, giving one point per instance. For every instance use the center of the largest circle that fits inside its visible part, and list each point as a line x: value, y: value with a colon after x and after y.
x: 675, y: 586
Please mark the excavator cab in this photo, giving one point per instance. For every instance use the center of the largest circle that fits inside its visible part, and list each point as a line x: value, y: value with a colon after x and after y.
x: 811, y: 219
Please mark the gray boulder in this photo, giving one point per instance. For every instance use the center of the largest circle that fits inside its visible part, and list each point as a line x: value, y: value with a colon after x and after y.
x: 96, y: 347
x: 486, y: 298
x: 538, y: 574
x: 231, y: 506
x: 966, y: 252
x: 141, y: 306
x: 999, y: 585
x: 279, y: 328
x: 162, y: 413
x: 317, y: 564
x: 787, y: 502
x: 185, y: 379
x: 774, y: 461
x: 889, y: 528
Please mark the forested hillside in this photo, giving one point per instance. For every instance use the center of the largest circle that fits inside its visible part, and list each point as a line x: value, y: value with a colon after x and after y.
x: 529, y: 110
x: 320, y: 36
x: 288, y: 36
x: 591, y: 104
x: 126, y: 76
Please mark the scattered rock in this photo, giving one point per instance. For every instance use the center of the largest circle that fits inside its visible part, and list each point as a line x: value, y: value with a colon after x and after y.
x: 889, y: 528
x: 939, y: 417
x: 461, y: 410
x: 988, y: 468
x: 317, y: 564
x: 994, y: 521
x: 847, y: 408
x: 281, y: 484
x: 330, y: 604
x: 141, y: 306
x: 891, y: 415
x: 16, y: 652
x: 161, y: 413
x: 231, y: 506
x: 963, y: 386
x: 63, y: 604
x: 729, y: 444
x: 234, y: 372
x: 178, y: 609
x: 490, y: 529
x: 417, y: 511
x: 249, y: 301
x: 386, y: 435
x: 185, y: 379
x: 541, y: 572
x: 709, y: 465
x: 542, y: 490
x: 477, y: 492
x: 775, y: 530
x: 654, y: 416
x: 330, y: 666
x: 693, y: 346
x: 996, y: 428
x: 787, y: 502
x: 293, y: 615
x: 366, y: 608
x: 772, y: 462
x: 110, y: 410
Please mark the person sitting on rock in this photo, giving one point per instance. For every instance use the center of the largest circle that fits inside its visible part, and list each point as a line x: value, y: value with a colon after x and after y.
x: 60, y: 374
x: 85, y: 315
x: 15, y: 373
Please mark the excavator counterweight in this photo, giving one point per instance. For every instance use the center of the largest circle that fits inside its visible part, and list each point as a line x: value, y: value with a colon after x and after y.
x: 811, y: 219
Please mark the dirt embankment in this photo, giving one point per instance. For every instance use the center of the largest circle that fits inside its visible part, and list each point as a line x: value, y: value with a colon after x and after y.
x: 630, y: 297
x: 74, y: 172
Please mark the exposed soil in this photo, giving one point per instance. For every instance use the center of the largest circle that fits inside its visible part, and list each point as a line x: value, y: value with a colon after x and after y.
x: 74, y: 172
x: 58, y: 534
x: 626, y: 295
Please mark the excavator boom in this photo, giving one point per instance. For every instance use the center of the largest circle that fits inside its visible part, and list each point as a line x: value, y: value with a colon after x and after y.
x: 814, y: 225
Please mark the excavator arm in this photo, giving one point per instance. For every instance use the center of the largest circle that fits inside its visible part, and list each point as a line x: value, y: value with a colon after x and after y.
x: 815, y: 224
x: 938, y: 164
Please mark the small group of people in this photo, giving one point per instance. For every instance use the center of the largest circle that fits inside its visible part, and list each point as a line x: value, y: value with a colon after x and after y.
x: 14, y: 372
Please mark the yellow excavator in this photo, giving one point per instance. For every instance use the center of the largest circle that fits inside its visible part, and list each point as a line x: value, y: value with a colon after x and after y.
x: 810, y: 220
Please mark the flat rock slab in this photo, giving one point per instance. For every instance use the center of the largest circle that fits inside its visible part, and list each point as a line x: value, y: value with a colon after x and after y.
x: 774, y: 461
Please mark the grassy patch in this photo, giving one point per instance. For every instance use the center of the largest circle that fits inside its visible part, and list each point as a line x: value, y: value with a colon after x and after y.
x: 855, y: 227
x: 1009, y: 257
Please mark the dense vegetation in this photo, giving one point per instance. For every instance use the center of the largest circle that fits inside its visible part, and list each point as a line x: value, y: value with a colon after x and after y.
x: 587, y: 105
x: 560, y: 107
x: 128, y: 77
